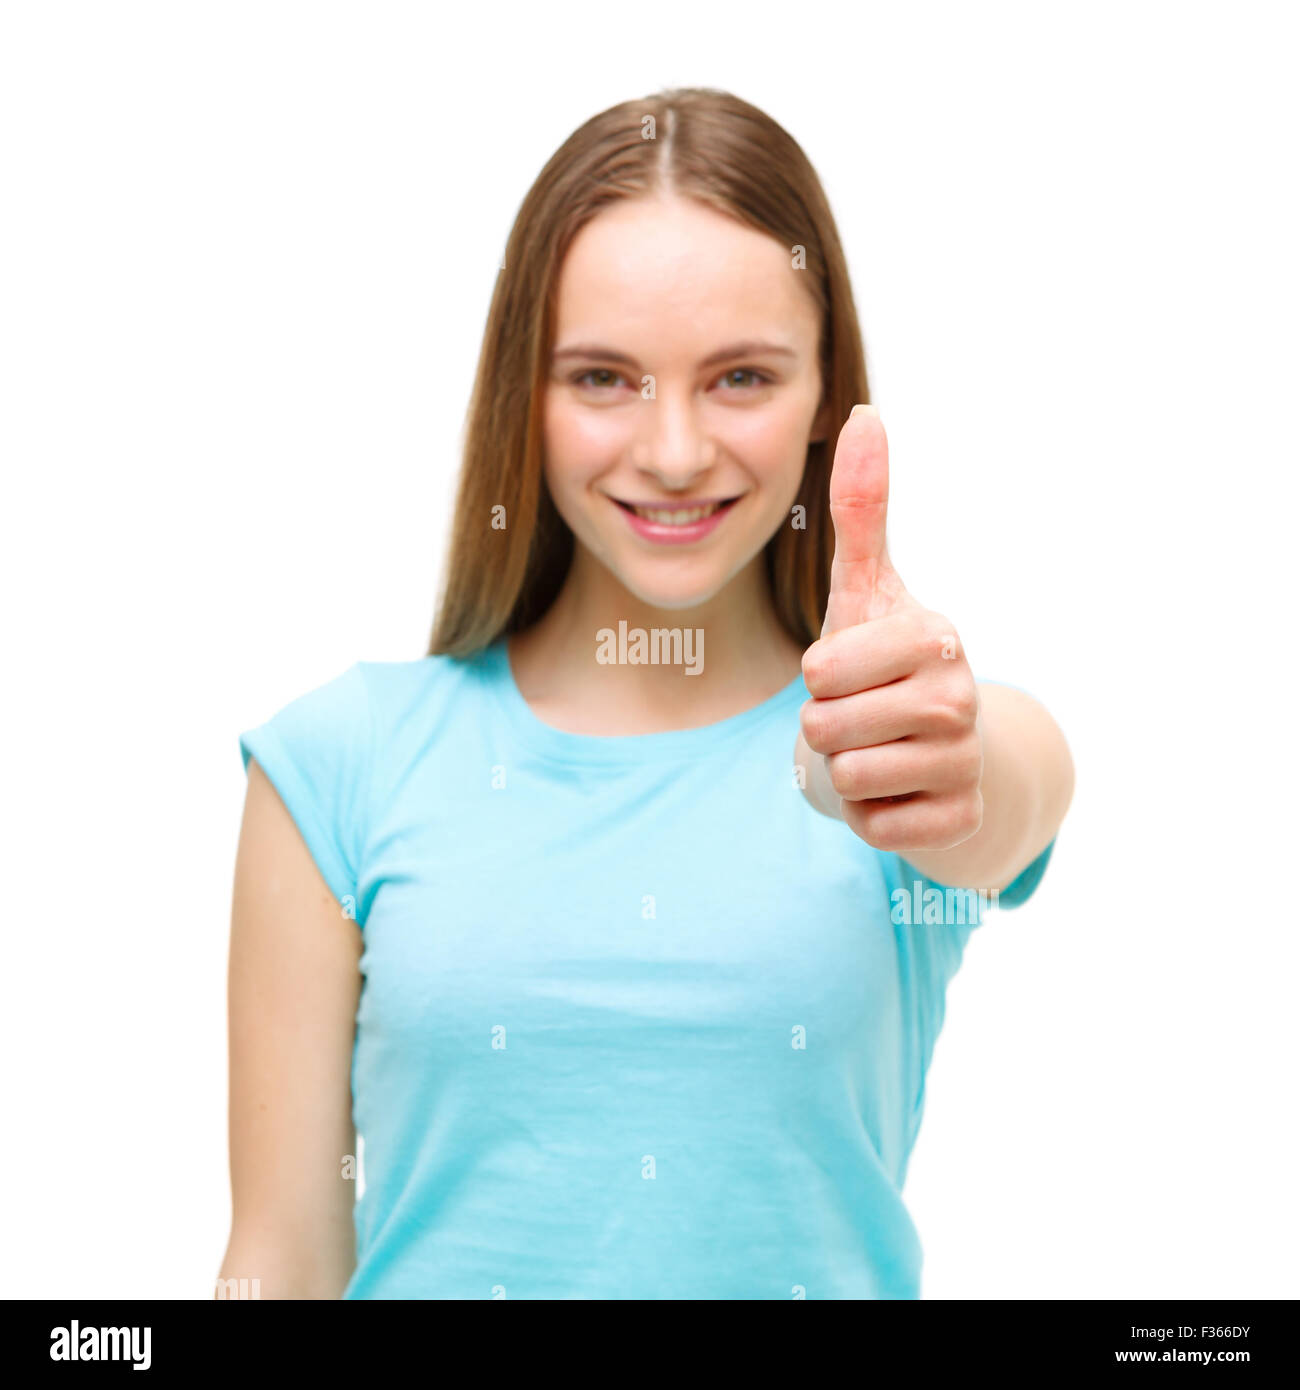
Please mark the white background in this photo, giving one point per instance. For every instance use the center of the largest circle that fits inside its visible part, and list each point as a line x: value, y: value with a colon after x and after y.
x: 247, y: 255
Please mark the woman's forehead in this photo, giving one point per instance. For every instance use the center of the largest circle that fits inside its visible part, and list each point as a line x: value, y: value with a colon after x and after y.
x: 650, y: 268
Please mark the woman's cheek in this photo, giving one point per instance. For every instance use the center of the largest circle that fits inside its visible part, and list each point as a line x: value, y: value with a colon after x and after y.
x: 582, y: 444
x: 770, y: 439
x: 773, y: 455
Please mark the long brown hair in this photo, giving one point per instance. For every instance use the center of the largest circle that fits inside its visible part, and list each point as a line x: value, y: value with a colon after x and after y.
x: 698, y: 143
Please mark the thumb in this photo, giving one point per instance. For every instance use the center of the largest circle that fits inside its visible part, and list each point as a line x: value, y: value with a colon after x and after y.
x: 864, y: 584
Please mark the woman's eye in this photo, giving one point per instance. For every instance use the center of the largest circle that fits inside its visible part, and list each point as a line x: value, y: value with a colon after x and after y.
x: 581, y: 378
x: 757, y: 377
x: 604, y: 378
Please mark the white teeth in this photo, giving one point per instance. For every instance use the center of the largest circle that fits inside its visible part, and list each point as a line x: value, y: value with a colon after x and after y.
x: 678, y: 518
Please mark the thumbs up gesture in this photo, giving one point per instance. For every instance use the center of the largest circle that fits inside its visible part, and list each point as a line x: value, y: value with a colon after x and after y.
x: 895, y: 710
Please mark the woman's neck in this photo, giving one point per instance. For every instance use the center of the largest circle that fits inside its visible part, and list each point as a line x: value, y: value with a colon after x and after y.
x: 600, y: 661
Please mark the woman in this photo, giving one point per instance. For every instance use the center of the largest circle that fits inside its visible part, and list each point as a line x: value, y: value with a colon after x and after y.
x: 639, y: 887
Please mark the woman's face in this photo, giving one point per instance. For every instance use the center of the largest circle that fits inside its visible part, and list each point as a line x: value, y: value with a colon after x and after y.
x: 682, y: 396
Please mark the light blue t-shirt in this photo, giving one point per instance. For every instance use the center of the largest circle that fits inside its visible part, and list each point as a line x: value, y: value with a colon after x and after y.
x: 636, y: 1021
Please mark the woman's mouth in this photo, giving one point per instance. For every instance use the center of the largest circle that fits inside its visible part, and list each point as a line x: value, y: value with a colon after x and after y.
x: 675, y: 524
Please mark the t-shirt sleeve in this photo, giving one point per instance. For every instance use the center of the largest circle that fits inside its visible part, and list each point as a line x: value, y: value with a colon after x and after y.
x: 932, y: 924
x: 317, y: 752
x: 1021, y: 888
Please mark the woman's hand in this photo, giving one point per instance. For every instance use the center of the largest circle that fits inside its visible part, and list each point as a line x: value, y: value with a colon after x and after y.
x: 895, y: 708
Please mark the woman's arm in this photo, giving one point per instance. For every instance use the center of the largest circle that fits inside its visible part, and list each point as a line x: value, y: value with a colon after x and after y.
x: 294, y: 989
x: 1026, y: 785
x: 966, y: 782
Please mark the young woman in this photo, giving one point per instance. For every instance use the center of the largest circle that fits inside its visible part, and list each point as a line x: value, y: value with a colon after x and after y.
x: 641, y: 890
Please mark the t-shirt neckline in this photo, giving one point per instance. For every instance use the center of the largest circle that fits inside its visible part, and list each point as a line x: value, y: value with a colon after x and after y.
x: 566, y: 746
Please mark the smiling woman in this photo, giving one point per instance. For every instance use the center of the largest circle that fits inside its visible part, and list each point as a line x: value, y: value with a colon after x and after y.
x: 674, y: 293
x: 677, y: 279
x: 609, y: 977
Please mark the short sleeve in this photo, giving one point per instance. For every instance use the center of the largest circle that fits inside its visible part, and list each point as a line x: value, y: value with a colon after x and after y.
x: 932, y: 924
x: 316, y: 753
x: 1021, y: 888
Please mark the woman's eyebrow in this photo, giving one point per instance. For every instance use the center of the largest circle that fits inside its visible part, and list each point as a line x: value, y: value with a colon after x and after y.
x: 749, y: 348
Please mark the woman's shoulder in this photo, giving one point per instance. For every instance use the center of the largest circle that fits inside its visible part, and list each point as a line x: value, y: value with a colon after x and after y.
x: 425, y: 673
x: 427, y: 686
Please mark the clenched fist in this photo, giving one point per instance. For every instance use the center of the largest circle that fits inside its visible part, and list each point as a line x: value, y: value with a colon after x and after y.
x: 895, y: 708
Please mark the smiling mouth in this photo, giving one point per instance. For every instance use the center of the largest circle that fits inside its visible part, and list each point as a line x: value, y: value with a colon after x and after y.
x: 678, y: 515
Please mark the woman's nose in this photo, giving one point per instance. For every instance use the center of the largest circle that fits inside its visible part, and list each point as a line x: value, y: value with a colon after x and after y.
x: 672, y: 445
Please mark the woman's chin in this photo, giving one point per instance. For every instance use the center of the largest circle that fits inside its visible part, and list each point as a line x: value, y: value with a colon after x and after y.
x: 670, y: 597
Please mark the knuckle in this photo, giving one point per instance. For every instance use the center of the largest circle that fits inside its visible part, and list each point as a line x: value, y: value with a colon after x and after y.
x: 970, y: 761
x: 885, y: 834
x: 967, y: 699
x: 960, y: 819
x: 879, y: 825
x: 842, y: 774
x: 941, y: 637
x: 955, y: 710
x: 944, y: 720
x: 814, y: 723
x: 819, y: 667
x: 936, y: 624
x: 948, y: 823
